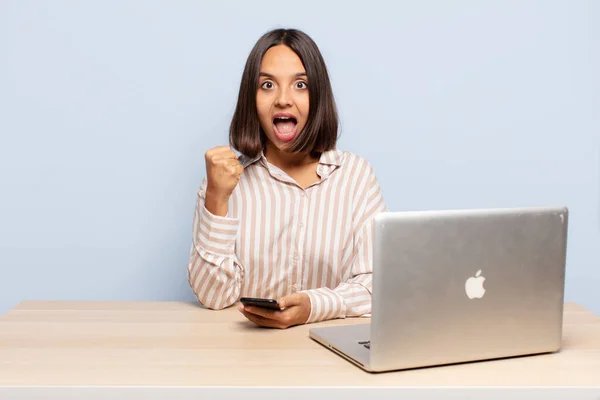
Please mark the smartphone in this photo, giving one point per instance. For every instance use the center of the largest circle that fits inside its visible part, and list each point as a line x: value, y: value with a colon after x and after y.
x: 264, y: 303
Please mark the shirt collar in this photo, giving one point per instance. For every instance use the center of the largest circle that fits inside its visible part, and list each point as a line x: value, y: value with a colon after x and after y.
x: 330, y: 157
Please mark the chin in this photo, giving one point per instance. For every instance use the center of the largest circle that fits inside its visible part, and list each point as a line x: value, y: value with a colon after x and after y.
x: 284, y: 147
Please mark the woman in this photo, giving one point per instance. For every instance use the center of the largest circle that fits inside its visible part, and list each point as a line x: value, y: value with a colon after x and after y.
x: 292, y: 217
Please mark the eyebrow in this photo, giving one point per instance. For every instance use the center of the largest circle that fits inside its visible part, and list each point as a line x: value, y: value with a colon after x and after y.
x: 266, y: 74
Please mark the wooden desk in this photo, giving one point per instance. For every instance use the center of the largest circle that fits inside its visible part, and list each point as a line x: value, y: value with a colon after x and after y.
x: 51, y: 343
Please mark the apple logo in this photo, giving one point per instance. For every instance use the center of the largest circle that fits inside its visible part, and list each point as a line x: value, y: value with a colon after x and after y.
x: 474, y: 286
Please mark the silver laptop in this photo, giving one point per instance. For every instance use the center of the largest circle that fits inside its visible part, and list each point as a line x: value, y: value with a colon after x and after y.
x: 459, y: 286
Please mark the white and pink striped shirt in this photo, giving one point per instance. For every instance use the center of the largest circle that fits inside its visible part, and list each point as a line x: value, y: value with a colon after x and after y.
x: 279, y: 238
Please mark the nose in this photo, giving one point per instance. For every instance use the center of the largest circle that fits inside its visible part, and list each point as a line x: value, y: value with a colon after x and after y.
x: 283, y: 98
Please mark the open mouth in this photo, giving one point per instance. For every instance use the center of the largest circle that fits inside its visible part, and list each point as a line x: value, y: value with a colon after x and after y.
x: 285, y: 127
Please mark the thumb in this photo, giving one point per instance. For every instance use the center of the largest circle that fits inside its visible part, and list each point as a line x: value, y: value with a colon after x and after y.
x: 291, y: 300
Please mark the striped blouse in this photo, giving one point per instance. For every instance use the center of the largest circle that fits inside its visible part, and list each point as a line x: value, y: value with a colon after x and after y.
x: 279, y: 238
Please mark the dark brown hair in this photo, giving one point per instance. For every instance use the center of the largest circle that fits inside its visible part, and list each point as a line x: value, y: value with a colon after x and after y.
x: 321, y: 131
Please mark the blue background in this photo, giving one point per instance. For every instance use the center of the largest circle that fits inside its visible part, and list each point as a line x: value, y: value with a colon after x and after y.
x: 107, y: 108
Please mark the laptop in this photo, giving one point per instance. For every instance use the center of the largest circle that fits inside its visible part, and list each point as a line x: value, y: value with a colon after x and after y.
x: 459, y: 286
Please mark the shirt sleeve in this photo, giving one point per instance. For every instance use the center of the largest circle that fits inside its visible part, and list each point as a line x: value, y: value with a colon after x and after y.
x: 214, y: 272
x: 353, y: 297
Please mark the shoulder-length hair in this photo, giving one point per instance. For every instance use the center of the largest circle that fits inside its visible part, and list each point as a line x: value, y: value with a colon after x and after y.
x: 320, y: 133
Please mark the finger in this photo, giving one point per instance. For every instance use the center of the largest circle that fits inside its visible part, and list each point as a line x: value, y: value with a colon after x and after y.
x: 229, y: 171
x: 230, y: 161
x: 290, y: 300
x: 258, y: 320
x: 226, y: 152
x: 220, y: 149
x: 239, y: 169
x: 221, y: 152
x: 254, y: 318
x: 263, y: 312
x: 233, y: 171
x: 278, y: 319
x: 217, y: 150
x: 224, y: 162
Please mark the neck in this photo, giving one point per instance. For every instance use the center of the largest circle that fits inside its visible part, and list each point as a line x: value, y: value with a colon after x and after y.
x: 285, y: 160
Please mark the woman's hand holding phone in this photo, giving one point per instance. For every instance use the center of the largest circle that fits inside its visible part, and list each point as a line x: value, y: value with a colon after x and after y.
x: 288, y: 311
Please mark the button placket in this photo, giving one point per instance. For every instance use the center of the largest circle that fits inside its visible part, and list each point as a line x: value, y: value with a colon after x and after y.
x: 297, y: 257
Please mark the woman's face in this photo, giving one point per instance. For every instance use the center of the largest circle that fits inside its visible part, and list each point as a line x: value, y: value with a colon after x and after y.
x: 282, y: 96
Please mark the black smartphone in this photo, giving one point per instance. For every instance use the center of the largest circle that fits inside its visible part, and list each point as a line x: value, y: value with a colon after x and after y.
x: 264, y: 303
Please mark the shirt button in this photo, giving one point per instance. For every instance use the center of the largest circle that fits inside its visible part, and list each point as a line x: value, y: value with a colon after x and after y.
x: 296, y: 287
x: 301, y: 224
x: 296, y: 257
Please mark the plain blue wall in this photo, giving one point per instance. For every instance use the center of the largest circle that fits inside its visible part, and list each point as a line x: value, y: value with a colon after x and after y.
x: 107, y: 108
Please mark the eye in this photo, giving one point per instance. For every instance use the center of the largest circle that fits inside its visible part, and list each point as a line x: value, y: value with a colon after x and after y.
x: 301, y: 85
x: 267, y: 85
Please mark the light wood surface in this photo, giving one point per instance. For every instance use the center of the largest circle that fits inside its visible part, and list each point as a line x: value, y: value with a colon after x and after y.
x: 181, y: 344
